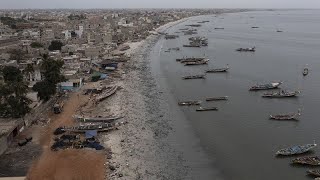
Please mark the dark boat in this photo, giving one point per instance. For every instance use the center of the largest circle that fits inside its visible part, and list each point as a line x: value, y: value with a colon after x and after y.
x: 194, y: 77
x: 279, y: 31
x: 314, y: 172
x: 281, y: 94
x: 184, y: 29
x: 186, y: 59
x: 217, y: 28
x: 189, y: 103
x: 171, y: 36
x: 192, y: 45
x: 313, y: 161
x: 218, y: 70
x: 97, y: 119
x: 273, y: 85
x: 223, y: 98
x: 254, y: 27
x: 203, y: 62
x: 296, y: 150
x: 283, y: 117
x: 207, y: 109
x: 305, y: 71
x: 253, y: 49
x: 194, y: 25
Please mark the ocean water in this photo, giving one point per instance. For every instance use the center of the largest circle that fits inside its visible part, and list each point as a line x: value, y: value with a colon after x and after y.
x: 239, y: 141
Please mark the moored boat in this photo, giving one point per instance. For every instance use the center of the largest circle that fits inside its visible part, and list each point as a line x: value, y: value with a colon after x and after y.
x: 296, y: 150
x: 314, y: 172
x: 192, y: 45
x: 305, y: 71
x: 194, y: 77
x: 290, y: 116
x: 310, y: 160
x: 97, y: 119
x: 253, y: 49
x: 218, y: 70
x: 207, y: 109
x: 217, y: 28
x: 192, y: 63
x: 281, y: 94
x: 222, y: 98
x: 273, y: 85
x: 99, y: 127
x: 189, y: 103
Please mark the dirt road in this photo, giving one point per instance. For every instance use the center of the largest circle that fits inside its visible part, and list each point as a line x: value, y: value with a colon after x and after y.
x: 67, y: 164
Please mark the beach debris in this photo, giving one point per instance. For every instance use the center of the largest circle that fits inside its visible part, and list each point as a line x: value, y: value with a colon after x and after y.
x: 300, y: 149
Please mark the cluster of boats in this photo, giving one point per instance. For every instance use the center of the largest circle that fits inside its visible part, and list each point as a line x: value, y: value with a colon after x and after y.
x: 197, y: 103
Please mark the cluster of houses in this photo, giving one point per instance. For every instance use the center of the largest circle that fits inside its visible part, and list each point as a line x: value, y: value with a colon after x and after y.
x: 93, y: 43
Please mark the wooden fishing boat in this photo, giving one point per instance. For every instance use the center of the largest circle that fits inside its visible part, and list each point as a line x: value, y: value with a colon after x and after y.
x: 314, y: 172
x: 202, y: 62
x: 312, y: 160
x: 273, y: 85
x: 283, y: 117
x: 254, y: 27
x: 281, y: 94
x: 192, y: 45
x: 189, y: 59
x: 99, y: 127
x: 107, y: 93
x: 189, y: 103
x: 217, y: 28
x: 222, y: 98
x: 253, y: 49
x: 207, y: 109
x: 296, y: 150
x: 194, y: 77
x: 218, y: 70
x: 184, y: 29
x: 97, y: 119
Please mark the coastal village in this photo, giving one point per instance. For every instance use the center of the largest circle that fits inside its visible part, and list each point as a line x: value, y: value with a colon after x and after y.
x: 73, y: 67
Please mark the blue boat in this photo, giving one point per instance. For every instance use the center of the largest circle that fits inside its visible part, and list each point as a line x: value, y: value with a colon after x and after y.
x: 296, y: 150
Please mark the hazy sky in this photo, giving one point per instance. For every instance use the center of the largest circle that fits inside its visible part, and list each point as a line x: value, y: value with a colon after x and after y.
x: 4, y: 4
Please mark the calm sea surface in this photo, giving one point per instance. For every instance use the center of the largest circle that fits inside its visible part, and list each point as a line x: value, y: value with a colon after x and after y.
x: 240, y: 137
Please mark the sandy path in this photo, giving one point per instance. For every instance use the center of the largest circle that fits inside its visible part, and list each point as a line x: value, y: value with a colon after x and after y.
x: 67, y: 164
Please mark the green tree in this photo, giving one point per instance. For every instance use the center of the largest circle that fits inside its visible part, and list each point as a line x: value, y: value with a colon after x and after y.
x: 52, y: 76
x: 17, y: 54
x: 36, y: 45
x: 13, y: 100
x: 55, y: 45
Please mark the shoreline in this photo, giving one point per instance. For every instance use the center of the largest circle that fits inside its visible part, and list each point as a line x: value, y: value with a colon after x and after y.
x: 153, y: 145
